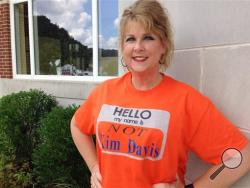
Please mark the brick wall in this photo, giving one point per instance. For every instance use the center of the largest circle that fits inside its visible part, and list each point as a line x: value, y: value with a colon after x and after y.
x: 5, y: 42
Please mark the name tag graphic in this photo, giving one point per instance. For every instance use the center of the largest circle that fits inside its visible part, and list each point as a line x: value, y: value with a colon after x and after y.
x: 132, y: 132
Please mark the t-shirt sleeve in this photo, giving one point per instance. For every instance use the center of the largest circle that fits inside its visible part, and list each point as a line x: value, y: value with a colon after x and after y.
x: 210, y: 133
x: 85, y: 116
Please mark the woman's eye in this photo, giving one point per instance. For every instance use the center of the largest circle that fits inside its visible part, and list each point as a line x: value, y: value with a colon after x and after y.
x: 149, y: 38
x: 130, y: 39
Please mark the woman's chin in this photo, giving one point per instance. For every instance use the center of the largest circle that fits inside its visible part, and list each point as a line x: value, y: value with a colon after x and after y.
x: 138, y: 68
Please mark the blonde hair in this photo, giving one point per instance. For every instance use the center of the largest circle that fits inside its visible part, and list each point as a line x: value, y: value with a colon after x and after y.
x: 154, y: 18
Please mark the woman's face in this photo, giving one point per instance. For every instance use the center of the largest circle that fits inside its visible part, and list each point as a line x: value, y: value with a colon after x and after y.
x: 142, y: 51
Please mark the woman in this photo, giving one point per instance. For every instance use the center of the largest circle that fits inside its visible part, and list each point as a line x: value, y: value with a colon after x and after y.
x: 146, y: 122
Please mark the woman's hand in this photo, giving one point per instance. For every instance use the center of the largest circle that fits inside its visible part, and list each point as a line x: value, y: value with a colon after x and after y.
x: 96, y: 177
x: 164, y: 185
x: 176, y: 184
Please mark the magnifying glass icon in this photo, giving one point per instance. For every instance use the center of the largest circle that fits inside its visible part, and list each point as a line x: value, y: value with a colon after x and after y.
x: 231, y: 158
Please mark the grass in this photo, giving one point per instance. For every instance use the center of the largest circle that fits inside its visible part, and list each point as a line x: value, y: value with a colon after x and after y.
x: 108, y: 66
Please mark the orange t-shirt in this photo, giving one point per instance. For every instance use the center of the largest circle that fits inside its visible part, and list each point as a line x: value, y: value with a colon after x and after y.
x: 143, y: 137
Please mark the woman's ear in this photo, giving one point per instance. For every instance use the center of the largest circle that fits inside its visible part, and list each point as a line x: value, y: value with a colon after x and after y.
x: 165, y: 44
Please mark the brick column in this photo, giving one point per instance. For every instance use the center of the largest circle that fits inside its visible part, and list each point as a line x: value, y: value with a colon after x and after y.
x: 5, y: 42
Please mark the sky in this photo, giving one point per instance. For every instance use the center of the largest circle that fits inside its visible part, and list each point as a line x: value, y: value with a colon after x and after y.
x: 76, y: 17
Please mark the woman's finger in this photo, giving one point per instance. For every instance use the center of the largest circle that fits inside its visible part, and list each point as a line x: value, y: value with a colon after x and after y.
x: 96, y: 177
x: 161, y: 185
x: 96, y: 180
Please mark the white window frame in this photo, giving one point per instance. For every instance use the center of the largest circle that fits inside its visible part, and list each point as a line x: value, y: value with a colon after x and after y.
x: 94, y: 78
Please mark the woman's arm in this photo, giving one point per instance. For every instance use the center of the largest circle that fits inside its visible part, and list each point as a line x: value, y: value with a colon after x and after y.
x: 227, y: 176
x: 86, y: 147
x: 225, y: 179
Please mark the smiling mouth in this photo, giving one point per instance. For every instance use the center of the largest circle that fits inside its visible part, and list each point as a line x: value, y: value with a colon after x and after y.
x: 139, y: 59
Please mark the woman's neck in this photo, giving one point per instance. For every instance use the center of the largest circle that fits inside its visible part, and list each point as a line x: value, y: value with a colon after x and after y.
x: 145, y: 82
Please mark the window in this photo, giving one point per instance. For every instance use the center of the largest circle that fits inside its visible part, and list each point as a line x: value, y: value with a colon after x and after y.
x: 61, y: 39
x: 107, y: 25
x: 22, y: 38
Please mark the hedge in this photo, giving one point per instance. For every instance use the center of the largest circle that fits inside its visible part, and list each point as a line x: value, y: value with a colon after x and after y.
x: 36, y: 147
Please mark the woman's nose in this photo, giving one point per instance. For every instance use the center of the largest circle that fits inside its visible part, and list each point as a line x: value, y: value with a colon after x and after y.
x: 139, y: 46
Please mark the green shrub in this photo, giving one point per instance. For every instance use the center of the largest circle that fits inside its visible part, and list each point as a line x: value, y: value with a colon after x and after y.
x: 56, y: 161
x: 20, y: 114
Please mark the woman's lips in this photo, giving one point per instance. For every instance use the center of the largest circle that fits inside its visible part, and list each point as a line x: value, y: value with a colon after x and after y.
x: 139, y: 59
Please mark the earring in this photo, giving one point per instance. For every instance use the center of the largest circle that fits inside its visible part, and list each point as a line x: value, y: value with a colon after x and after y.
x: 122, y: 62
x: 161, y: 61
